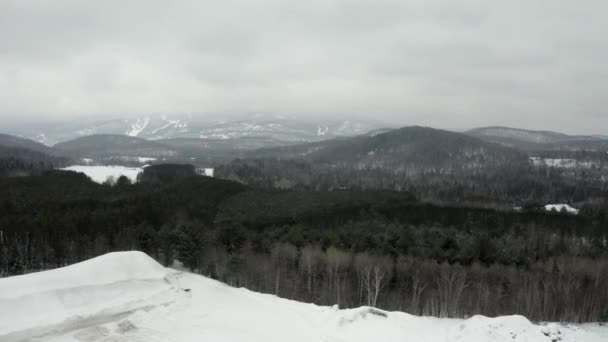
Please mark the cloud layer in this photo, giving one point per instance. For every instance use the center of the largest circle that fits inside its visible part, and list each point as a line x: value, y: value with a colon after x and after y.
x: 537, y: 64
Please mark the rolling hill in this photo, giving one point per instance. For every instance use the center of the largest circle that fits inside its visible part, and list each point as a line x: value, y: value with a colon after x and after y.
x: 157, y: 127
x: 14, y: 142
x: 408, y: 149
x: 23, y: 157
x: 539, y: 140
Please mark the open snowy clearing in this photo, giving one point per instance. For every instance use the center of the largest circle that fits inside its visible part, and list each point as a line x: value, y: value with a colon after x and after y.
x: 100, y: 174
x: 127, y: 296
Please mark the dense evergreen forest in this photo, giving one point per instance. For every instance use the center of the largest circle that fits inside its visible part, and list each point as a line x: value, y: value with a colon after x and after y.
x: 349, y: 247
x: 508, y: 185
x: 17, y: 161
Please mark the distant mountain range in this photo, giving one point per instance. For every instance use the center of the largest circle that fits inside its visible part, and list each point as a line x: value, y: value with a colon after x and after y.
x: 347, y: 144
x: 271, y: 127
x: 539, y: 140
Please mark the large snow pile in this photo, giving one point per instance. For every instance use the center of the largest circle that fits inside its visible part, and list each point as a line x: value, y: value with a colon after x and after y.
x: 100, y: 174
x: 97, y: 289
x: 129, y: 297
x: 561, y: 207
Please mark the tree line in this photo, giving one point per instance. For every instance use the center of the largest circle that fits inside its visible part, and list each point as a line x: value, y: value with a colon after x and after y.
x: 18, y: 162
x: 497, y: 185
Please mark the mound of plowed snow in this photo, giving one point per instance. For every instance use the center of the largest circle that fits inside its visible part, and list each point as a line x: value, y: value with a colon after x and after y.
x: 97, y: 289
x: 129, y: 297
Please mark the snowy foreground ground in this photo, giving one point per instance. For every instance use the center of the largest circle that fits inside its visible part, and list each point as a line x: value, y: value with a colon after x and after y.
x: 129, y: 297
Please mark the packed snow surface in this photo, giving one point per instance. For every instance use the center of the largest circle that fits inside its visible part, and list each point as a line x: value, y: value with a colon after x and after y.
x: 100, y: 174
x: 129, y: 297
x: 106, y: 286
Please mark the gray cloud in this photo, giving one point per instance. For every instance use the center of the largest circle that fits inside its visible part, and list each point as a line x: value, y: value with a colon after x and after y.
x: 536, y: 64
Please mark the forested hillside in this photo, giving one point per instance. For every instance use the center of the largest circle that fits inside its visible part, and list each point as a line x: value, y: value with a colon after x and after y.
x: 23, y: 157
x: 16, y: 161
x: 508, y: 186
x: 380, y: 248
x: 530, y: 140
x: 408, y: 151
x: 436, y: 165
x: 11, y: 141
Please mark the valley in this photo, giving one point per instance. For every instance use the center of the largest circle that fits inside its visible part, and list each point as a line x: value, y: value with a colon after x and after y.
x: 332, y: 171
x: 419, y: 212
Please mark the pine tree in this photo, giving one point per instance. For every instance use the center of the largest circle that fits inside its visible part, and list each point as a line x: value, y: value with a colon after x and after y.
x: 190, y: 240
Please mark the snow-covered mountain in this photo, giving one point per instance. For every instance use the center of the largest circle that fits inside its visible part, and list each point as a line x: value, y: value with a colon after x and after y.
x: 188, y: 126
x: 127, y: 296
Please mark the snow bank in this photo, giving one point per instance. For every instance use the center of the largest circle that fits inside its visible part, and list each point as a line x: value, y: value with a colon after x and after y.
x: 105, y: 269
x: 363, y: 324
x: 129, y: 297
x: 560, y: 207
x: 508, y: 328
x: 107, y: 285
x: 100, y: 174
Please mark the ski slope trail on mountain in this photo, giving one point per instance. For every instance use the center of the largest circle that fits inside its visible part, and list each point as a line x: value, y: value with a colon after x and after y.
x: 127, y: 296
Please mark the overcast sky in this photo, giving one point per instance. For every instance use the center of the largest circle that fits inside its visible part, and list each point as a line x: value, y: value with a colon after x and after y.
x: 450, y: 64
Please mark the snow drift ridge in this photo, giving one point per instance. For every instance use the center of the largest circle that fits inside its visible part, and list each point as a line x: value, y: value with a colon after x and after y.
x: 107, y: 285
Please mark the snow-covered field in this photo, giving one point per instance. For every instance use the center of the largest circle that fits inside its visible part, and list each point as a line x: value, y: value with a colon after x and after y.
x: 127, y: 296
x: 100, y: 174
